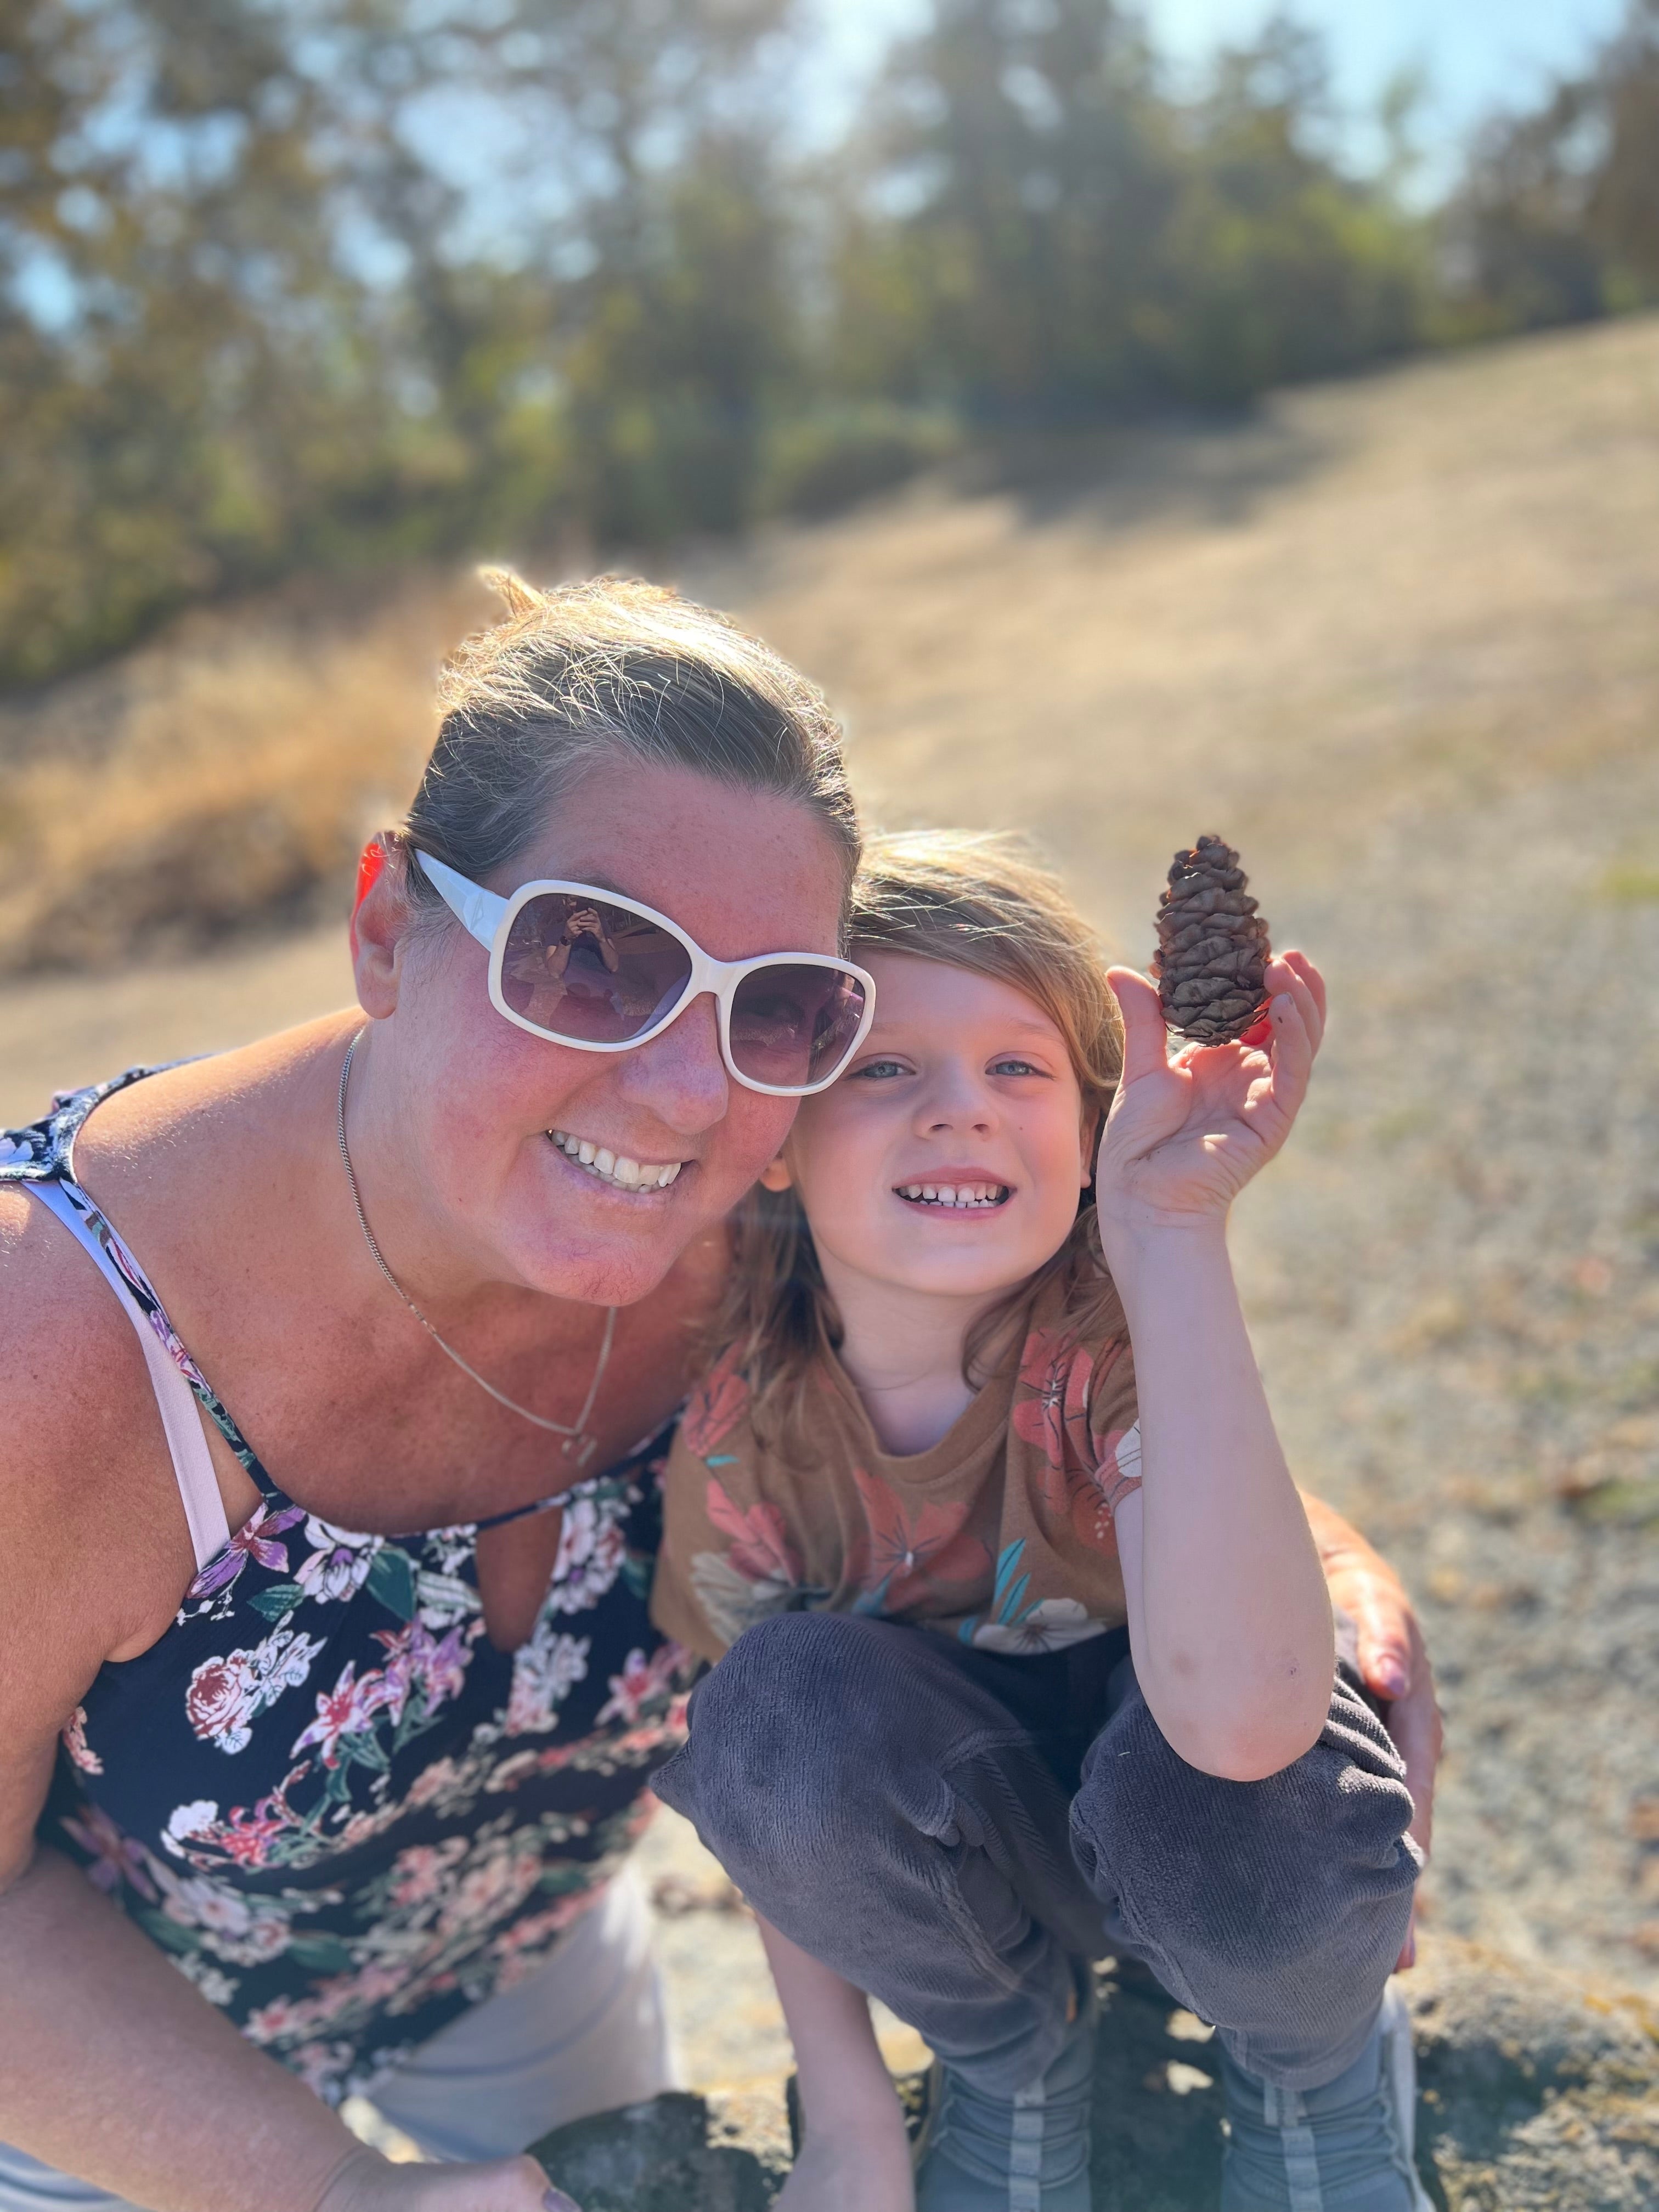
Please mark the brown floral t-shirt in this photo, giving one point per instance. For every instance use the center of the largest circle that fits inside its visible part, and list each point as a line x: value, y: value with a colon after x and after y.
x: 1001, y: 1534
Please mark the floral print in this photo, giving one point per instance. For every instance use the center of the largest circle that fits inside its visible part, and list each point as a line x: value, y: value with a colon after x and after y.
x: 78, y: 1750
x: 340, y: 1564
x: 545, y: 1672
x: 909, y: 1554
x: 715, y: 1406
x: 1045, y: 1624
x: 344, y: 1814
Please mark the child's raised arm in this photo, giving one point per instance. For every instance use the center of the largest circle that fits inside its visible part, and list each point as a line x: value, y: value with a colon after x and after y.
x: 1229, y: 1619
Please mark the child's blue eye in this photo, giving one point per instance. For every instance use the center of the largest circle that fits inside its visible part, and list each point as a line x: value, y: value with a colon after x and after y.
x: 1014, y: 1067
x: 881, y: 1067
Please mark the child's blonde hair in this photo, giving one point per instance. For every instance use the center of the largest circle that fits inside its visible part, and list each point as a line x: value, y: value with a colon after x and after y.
x: 973, y: 900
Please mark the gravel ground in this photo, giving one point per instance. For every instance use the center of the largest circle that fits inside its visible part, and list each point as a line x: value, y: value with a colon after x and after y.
x: 1396, y: 638
x: 1455, y: 1298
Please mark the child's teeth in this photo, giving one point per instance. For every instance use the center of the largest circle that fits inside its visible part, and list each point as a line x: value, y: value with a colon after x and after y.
x: 605, y: 1160
x: 587, y: 1153
x: 958, y: 1195
x: 627, y: 1172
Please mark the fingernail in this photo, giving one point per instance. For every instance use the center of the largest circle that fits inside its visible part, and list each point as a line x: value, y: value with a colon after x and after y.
x: 1389, y: 1677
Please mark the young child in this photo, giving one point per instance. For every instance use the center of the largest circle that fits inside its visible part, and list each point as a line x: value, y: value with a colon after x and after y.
x: 927, y: 1412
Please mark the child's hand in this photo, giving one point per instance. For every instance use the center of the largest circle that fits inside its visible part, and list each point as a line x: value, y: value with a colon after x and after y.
x: 1185, y: 1136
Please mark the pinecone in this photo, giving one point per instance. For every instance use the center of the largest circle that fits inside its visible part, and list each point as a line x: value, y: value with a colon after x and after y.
x: 1211, y: 947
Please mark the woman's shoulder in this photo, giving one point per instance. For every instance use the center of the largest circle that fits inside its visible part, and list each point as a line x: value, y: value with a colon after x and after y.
x: 90, y: 1512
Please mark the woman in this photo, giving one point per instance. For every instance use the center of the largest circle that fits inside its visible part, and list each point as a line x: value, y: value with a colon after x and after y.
x: 360, y: 1768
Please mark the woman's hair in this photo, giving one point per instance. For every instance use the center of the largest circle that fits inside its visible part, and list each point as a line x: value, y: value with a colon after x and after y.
x: 974, y: 901
x: 578, y: 674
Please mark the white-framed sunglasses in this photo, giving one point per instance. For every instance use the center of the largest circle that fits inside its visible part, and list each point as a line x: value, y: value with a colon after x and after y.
x: 590, y: 969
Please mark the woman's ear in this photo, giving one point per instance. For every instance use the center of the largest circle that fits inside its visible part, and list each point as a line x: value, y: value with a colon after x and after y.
x: 379, y: 925
x: 776, y: 1176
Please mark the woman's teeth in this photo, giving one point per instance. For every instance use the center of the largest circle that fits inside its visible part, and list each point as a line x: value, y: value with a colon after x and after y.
x: 960, y: 1194
x: 614, y: 1168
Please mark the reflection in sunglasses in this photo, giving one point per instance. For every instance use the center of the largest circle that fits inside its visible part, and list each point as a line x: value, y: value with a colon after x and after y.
x: 591, y: 972
x: 588, y: 924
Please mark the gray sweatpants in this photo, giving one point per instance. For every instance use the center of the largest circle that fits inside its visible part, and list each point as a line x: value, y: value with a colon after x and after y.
x: 949, y: 1828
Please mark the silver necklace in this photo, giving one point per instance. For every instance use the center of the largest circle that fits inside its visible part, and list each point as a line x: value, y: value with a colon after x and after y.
x: 575, y: 1441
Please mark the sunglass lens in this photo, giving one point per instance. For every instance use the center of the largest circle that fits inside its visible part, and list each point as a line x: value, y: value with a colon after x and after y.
x: 594, y: 973
x: 793, y: 1026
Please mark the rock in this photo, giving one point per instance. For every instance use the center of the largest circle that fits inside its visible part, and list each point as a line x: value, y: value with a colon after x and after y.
x: 1537, y: 2095
x: 663, y: 2156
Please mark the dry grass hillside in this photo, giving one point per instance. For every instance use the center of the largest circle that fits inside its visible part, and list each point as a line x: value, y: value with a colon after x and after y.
x: 1397, y: 638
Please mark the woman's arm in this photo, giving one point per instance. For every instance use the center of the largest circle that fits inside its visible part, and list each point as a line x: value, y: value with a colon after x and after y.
x: 117, y: 2070
x: 1230, y: 1620
x: 1392, y: 1659
x: 113, y: 2067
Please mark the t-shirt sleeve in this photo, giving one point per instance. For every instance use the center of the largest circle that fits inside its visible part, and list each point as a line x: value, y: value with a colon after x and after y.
x: 676, y: 1608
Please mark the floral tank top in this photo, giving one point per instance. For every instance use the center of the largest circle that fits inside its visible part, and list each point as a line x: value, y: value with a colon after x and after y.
x: 345, y: 1814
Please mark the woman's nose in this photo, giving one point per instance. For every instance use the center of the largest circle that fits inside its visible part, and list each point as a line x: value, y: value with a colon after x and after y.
x: 680, y: 1077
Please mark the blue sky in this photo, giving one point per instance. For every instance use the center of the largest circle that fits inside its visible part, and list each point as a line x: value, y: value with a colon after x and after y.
x: 1478, y: 54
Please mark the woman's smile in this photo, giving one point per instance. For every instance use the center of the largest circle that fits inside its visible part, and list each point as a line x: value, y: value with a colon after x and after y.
x: 619, y: 1170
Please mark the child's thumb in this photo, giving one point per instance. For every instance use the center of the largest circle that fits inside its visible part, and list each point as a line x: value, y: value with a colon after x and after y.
x: 1144, y: 1049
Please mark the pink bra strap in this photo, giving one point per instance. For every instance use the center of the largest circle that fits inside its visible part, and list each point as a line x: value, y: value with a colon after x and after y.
x: 192, y: 1462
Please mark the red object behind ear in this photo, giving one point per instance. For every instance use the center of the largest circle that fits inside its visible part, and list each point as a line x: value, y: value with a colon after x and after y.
x: 369, y: 871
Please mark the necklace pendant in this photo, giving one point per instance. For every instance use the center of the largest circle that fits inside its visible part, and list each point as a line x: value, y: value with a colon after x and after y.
x: 579, y: 1447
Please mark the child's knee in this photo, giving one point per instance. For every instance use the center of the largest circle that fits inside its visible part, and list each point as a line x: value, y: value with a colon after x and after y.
x: 782, y: 1735
x: 1246, y: 1871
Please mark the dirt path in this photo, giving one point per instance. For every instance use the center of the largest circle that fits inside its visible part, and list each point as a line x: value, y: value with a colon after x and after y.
x: 1398, y: 639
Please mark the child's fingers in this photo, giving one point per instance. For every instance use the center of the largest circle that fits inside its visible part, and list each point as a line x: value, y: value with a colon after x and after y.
x: 1144, y: 1049
x: 1310, y: 976
x: 1293, y: 972
x: 1292, y: 1055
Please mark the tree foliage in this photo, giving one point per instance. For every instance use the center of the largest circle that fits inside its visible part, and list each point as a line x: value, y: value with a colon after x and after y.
x: 1558, y: 219
x: 314, y: 283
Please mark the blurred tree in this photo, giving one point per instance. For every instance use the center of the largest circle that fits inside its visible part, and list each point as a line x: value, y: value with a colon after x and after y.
x: 1000, y: 246
x: 1279, y: 265
x: 186, y: 376
x: 1041, y: 231
x: 684, y: 344
x: 245, y: 325
x: 607, y: 329
x: 1558, y: 219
